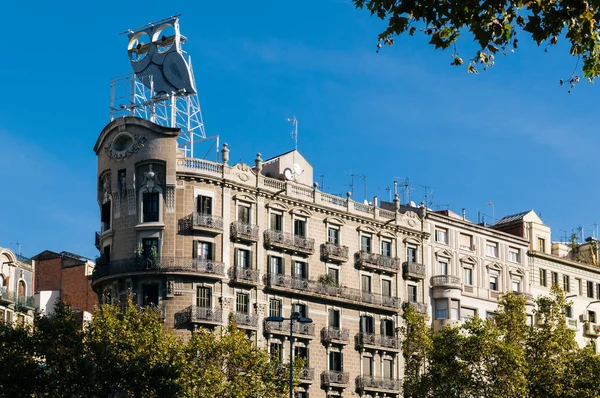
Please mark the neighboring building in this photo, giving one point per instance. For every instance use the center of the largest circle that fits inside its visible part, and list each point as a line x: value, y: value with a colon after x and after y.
x: 16, y: 288
x: 64, y: 275
x: 202, y: 241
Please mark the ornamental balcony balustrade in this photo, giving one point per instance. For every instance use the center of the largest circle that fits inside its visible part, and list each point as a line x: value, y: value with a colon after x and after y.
x: 368, y: 340
x: 446, y: 281
x: 246, y: 320
x: 208, y: 268
x: 242, y: 231
x: 334, y: 253
x: 335, y: 379
x: 413, y: 270
x: 421, y: 308
x: 591, y: 329
x: 287, y: 241
x: 344, y: 294
x: 305, y: 330
x: 6, y: 296
x: 244, y: 275
x: 205, y: 315
x: 202, y: 222
x: 378, y: 262
x: 27, y: 302
x: 307, y: 375
x: 377, y: 383
x: 159, y: 309
x: 334, y: 335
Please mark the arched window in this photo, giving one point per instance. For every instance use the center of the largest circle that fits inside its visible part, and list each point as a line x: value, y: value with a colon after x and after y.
x: 22, y: 288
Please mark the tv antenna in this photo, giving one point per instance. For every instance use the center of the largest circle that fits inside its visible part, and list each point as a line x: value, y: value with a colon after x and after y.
x: 162, y: 87
x: 364, y: 178
x: 429, y: 195
x: 405, y: 187
x: 490, y: 203
x: 294, y: 122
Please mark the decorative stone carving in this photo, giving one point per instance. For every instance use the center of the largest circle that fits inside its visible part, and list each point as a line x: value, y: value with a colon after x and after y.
x: 123, y: 184
x: 116, y: 153
x: 225, y: 303
x: 170, y: 288
x: 116, y: 204
x: 106, y: 188
x: 131, y: 206
x: 260, y: 309
x: 170, y: 198
x: 150, y: 180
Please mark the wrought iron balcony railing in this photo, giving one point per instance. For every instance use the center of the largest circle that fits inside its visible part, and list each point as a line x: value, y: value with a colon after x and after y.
x: 412, y: 270
x: 307, y: 374
x: 378, y: 262
x: 448, y: 281
x: 7, y: 296
x: 335, y: 335
x: 244, y: 275
x: 421, y: 308
x: 376, y: 340
x: 202, y: 221
x: 288, y: 241
x: 247, y: 320
x: 242, y: 231
x: 205, y: 315
x: 333, y: 252
x: 159, y: 309
x: 164, y: 264
x: 305, y: 329
x: 376, y: 383
x: 335, y: 378
x: 312, y: 287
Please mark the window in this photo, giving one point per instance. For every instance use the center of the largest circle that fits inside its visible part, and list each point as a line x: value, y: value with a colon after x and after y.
x: 442, y: 268
x: 203, y: 297
x: 274, y: 307
x: 301, y: 352
x: 367, y: 366
x: 334, y: 318
x: 386, y: 288
x: 302, y: 394
x: 598, y: 290
x: 491, y: 249
x: 454, y: 309
x: 578, y: 286
x: 467, y: 313
x: 365, y: 283
x: 590, y: 289
x: 276, y: 351
x: 591, y: 316
x: 300, y: 228
x: 300, y: 270
x: 388, y: 369
x: 494, y: 282
x: 367, y: 324
x: 204, y: 251
x: 147, y: 245
x: 413, y: 293
x: 543, y: 278
x: 569, y: 312
x: 441, y: 309
x: 105, y: 216
x: 365, y: 243
x: 411, y: 254
x: 204, y: 204
x: 555, y: 278
x: 542, y: 244
x: 333, y: 235
x: 441, y: 235
x: 334, y: 275
x: 336, y: 360
x: 514, y: 255
x: 386, y: 248
x: 468, y: 276
x: 516, y: 286
x: 150, y: 294
x: 277, y: 222
x: 244, y: 214
x: 388, y: 327
x: 300, y: 308
x: 242, y: 259
x: 566, y: 283
x: 150, y: 206
x: 466, y: 242
x: 276, y: 265
x: 242, y: 304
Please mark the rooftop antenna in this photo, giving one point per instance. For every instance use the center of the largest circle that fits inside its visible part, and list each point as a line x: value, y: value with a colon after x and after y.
x: 389, y: 191
x: 294, y: 122
x: 364, y: 178
x: 405, y: 187
x: 18, y: 247
x: 428, y: 199
x: 162, y: 87
x: 595, y: 230
x: 322, y: 182
x: 564, y: 239
x: 490, y: 203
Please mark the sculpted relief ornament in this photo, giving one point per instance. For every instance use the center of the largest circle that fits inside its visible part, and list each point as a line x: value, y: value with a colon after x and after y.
x: 150, y: 180
x: 124, y: 145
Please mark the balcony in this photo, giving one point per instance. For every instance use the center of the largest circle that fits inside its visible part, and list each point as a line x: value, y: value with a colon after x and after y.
x: 591, y: 329
x: 246, y: 321
x: 307, y: 375
x: 377, y: 341
x: 205, y: 315
x: 335, y: 379
x: 334, y: 253
x: 303, y: 330
x: 243, y: 232
x: 97, y: 242
x: 6, y: 296
x: 412, y: 270
x: 207, y: 268
x: 378, y: 262
x: 446, y: 281
x: 202, y: 222
x: 331, y: 335
x: 421, y: 308
x: 285, y: 241
x: 25, y: 302
x: 244, y: 275
x: 370, y: 383
x: 572, y: 324
x: 159, y: 309
x: 341, y: 294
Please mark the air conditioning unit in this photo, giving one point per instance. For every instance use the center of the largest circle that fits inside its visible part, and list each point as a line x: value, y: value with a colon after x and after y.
x: 583, y: 317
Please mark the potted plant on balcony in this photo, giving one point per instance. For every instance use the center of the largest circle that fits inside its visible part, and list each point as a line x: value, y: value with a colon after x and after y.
x: 327, y: 280
x: 138, y: 254
x: 154, y: 259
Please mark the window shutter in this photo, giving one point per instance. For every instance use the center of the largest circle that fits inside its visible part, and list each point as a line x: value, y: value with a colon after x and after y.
x: 282, y: 265
x: 208, y: 209
x: 341, y: 361
x: 269, y: 265
x: 236, y: 257
x: 249, y: 259
x: 363, y: 324
x: 199, y: 204
x: 194, y: 249
x: 336, y: 318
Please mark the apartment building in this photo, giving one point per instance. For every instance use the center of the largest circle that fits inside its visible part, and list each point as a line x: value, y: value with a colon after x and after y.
x: 204, y: 242
x: 17, y: 303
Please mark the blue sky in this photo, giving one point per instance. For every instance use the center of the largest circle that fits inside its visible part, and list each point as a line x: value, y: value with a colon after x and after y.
x: 510, y: 135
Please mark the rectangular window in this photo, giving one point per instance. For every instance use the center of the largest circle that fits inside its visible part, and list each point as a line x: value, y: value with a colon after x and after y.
x: 413, y: 293
x: 367, y: 324
x: 386, y: 288
x: 105, y: 216
x: 542, y: 245
x: 204, y: 204
x: 441, y: 309
x: 277, y: 222
x: 598, y: 290
x: 150, y: 294
x: 147, y: 245
x: 569, y: 312
x: 441, y: 235
x: 276, y: 351
x: 442, y: 268
x: 388, y: 369
x: 365, y: 283
x: 555, y: 278
x: 491, y: 249
x: 333, y: 235
x: 365, y: 243
x: 494, y: 282
x: 516, y: 286
x: 276, y: 265
x: 386, y: 248
x: 454, y: 309
x: 301, y: 352
x: 334, y: 318
x: 334, y: 275
x: 578, y: 286
x: 204, y: 251
x: 302, y: 309
x: 335, y: 361
x: 367, y: 365
x: 274, y: 307
x: 466, y: 242
x: 566, y: 283
x: 300, y: 228
x: 300, y: 270
x: 244, y: 214
x: 411, y: 254
x: 591, y: 316
x: 150, y: 206
x: 466, y: 314
x: 468, y: 276
x: 514, y: 255
x: 388, y: 327
x: 590, y: 289
x: 543, y: 278
x: 242, y: 303
x: 203, y: 297
x: 242, y: 259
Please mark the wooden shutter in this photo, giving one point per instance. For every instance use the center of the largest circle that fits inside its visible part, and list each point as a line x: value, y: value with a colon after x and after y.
x: 194, y: 249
